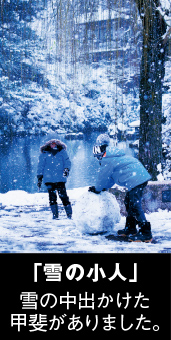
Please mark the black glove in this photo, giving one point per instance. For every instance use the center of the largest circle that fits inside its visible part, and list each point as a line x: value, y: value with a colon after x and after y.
x: 39, y: 183
x: 93, y: 189
x: 66, y: 172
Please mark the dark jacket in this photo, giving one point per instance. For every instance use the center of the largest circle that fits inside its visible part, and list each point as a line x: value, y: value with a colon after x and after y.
x: 52, y: 162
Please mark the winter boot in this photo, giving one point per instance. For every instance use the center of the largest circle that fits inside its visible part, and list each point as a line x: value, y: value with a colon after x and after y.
x: 54, y: 208
x: 144, y: 234
x: 68, y: 210
x: 130, y: 227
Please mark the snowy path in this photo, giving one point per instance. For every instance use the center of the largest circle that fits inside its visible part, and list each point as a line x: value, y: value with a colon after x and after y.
x: 26, y: 228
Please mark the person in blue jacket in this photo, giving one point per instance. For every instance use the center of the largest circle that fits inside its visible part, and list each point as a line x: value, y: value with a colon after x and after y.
x: 53, y: 167
x: 118, y: 168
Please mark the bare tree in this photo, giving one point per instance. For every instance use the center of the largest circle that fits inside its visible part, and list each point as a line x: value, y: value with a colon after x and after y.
x: 151, y: 79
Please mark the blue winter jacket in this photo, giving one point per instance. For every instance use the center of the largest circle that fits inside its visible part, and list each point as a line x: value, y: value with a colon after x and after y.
x: 52, y: 164
x: 118, y: 168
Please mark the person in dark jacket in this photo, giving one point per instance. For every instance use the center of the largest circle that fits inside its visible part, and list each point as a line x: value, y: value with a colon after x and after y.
x: 118, y: 168
x: 53, y: 167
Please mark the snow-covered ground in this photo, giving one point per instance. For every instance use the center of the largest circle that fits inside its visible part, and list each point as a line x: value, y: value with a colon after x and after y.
x: 26, y: 226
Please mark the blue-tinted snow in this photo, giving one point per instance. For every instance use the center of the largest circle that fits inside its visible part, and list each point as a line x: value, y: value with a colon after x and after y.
x: 26, y: 225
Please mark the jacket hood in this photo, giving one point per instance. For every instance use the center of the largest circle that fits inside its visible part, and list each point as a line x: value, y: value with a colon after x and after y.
x: 60, y: 145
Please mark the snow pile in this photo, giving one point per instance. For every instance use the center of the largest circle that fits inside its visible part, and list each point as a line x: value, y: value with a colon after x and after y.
x: 95, y: 214
x: 22, y: 198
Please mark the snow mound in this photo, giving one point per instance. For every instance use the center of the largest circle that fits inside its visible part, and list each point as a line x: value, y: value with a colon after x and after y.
x: 95, y: 214
x: 21, y: 198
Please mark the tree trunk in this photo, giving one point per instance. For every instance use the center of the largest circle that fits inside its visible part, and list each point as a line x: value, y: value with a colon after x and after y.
x: 151, y: 78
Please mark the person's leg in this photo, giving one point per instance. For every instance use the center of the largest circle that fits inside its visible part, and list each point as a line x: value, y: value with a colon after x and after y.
x: 52, y: 199
x: 64, y: 198
x: 131, y: 222
x: 135, y: 209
